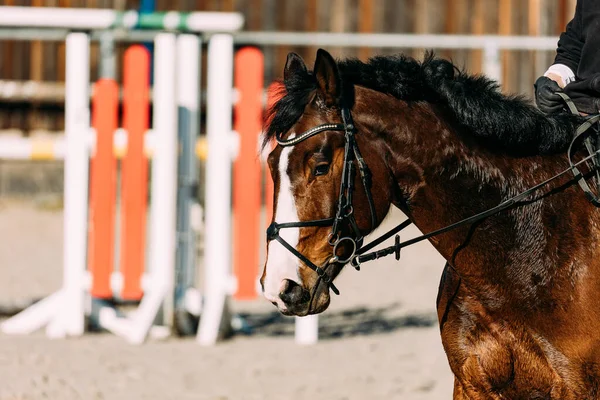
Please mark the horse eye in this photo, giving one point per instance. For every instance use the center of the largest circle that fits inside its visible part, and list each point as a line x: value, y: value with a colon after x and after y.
x: 321, y: 169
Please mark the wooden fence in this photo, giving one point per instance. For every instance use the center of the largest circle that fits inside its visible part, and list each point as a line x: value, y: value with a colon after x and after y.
x: 44, y: 62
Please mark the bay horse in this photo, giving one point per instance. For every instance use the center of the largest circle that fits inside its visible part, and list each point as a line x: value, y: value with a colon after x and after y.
x: 519, y: 297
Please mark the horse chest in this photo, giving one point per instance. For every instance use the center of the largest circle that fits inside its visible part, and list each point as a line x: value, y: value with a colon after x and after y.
x: 488, y: 365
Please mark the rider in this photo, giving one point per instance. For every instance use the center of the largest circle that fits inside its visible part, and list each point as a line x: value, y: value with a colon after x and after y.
x: 576, y: 67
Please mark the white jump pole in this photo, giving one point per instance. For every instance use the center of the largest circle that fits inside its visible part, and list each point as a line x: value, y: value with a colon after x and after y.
x: 163, y: 188
x: 64, y: 311
x: 70, y: 316
x: 307, y: 330
x: 22, y: 148
x: 94, y: 18
x: 217, y: 260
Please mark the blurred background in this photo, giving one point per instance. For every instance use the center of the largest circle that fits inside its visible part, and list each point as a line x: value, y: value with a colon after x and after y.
x: 44, y: 62
x: 378, y: 340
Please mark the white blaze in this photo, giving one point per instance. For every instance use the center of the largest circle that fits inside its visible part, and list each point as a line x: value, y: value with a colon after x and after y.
x: 281, y: 263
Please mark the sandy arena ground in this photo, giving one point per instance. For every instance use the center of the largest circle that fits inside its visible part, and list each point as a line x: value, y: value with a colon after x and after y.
x: 378, y: 340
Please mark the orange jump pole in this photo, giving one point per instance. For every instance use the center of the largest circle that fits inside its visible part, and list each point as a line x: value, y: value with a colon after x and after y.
x: 248, y: 79
x: 134, y: 170
x: 103, y: 172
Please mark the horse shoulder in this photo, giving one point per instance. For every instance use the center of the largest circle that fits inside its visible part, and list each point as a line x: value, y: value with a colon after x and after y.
x: 489, y: 357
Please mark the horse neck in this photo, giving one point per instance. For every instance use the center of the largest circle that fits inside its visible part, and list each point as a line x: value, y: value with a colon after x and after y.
x: 442, y: 179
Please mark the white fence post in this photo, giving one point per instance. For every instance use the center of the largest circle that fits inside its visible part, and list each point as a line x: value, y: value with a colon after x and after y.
x: 217, y: 260
x: 64, y: 311
x: 307, y: 329
x: 163, y: 190
x: 77, y: 128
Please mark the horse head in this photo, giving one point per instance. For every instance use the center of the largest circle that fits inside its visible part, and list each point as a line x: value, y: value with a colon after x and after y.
x: 315, y: 231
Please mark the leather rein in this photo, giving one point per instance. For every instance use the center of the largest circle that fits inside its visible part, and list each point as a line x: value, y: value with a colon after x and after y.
x: 345, y: 211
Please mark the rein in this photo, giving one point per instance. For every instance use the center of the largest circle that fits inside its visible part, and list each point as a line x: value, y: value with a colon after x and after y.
x: 345, y: 212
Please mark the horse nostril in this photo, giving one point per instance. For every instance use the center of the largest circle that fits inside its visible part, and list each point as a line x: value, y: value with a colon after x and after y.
x: 293, y: 293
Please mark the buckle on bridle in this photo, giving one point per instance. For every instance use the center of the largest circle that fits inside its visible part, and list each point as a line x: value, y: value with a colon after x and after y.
x: 333, y: 238
x: 272, y: 231
x: 322, y: 274
x: 337, y: 244
x: 347, y: 120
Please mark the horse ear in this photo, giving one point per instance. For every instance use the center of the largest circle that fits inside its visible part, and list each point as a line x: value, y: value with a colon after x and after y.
x: 293, y: 66
x: 327, y: 74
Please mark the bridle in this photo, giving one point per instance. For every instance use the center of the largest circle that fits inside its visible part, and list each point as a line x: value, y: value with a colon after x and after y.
x: 345, y: 210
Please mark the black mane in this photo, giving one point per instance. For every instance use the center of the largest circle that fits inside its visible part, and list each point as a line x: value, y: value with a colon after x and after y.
x: 475, y: 103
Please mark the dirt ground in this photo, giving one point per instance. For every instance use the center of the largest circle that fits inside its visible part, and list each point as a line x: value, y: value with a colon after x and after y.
x: 378, y: 340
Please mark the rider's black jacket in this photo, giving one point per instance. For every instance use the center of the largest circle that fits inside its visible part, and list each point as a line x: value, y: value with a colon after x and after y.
x: 579, y: 49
